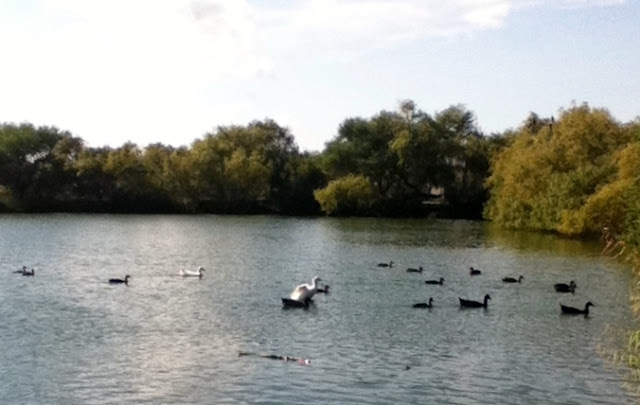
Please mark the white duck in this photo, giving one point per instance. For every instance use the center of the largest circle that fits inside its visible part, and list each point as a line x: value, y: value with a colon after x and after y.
x: 305, y: 292
x: 191, y: 273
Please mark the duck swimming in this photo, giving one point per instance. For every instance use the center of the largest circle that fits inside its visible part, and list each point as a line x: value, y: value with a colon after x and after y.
x: 413, y: 270
x: 474, y: 272
x: 390, y: 264
x: 513, y: 280
x: 565, y: 288
x: 575, y: 311
x: 119, y: 280
x: 435, y: 281
x: 424, y: 304
x: 474, y: 304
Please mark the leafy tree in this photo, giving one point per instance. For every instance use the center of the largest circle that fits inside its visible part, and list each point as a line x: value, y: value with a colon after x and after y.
x: 438, y: 152
x: 125, y: 164
x: 348, y: 195
x: 409, y: 157
x: 94, y: 186
x: 362, y: 147
x: 245, y: 168
x: 543, y: 180
x: 28, y: 165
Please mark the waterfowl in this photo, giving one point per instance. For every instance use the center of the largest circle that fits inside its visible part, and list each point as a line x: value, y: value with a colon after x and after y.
x: 412, y: 270
x: 24, y: 270
x: 190, y: 273
x: 575, y: 311
x: 119, y: 280
x: 390, y: 264
x: 305, y: 292
x: 474, y: 304
x: 513, y: 280
x: 435, y: 281
x: 565, y: 288
x: 424, y: 304
x: 29, y: 273
x: 474, y: 272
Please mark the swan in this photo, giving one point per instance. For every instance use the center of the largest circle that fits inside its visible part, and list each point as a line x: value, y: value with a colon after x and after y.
x: 424, y: 304
x: 435, y: 281
x: 413, y: 270
x: 190, y: 273
x: 390, y: 264
x: 565, y: 288
x: 474, y: 304
x: 304, y: 292
x: 474, y: 272
x: 119, y: 280
x: 575, y: 311
x: 513, y: 280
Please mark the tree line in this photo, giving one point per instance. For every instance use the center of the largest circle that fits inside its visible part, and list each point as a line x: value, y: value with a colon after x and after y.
x: 252, y: 169
x: 575, y: 175
x: 402, y: 163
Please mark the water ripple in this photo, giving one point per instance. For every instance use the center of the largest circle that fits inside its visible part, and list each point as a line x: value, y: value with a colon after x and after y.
x: 70, y: 337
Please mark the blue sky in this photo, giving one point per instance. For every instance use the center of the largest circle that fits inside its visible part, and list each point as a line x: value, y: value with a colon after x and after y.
x: 170, y: 71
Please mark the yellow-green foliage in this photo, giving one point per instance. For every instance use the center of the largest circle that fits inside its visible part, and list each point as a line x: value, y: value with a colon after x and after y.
x: 125, y: 164
x: 248, y: 175
x: 556, y: 179
x: 232, y: 165
x: 346, y: 195
x: 610, y: 204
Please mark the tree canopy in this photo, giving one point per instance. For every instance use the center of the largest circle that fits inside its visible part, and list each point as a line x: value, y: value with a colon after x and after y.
x: 574, y: 175
x: 412, y: 159
x: 562, y: 177
x: 250, y: 169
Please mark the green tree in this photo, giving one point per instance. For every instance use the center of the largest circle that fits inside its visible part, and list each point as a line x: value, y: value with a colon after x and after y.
x: 410, y: 158
x: 30, y: 165
x: 348, y: 195
x: 245, y: 169
x: 543, y: 180
x: 94, y: 186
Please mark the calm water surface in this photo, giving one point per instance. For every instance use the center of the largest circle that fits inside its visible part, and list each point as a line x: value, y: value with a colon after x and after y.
x: 68, y: 337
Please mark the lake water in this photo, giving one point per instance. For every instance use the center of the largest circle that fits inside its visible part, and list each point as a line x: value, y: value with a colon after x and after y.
x: 68, y: 337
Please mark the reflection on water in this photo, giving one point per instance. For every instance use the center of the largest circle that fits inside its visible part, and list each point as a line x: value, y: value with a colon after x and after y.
x: 541, y: 242
x: 70, y: 337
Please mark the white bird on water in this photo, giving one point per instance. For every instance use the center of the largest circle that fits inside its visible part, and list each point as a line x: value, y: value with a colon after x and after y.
x: 191, y: 273
x: 305, y: 292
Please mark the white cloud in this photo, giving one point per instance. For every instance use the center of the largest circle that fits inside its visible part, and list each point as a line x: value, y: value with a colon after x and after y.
x: 144, y: 70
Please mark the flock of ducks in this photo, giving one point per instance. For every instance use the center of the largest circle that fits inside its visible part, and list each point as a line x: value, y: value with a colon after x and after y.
x: 184, y: 273
x: 302, y: 294
x: 466, y: 303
